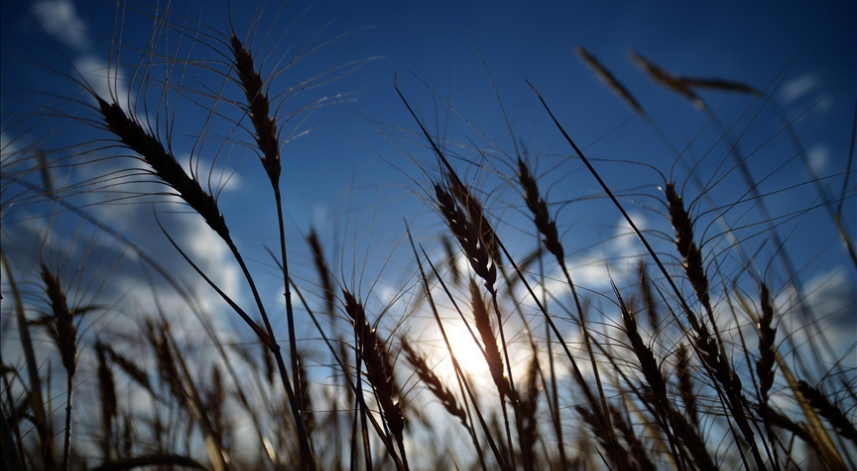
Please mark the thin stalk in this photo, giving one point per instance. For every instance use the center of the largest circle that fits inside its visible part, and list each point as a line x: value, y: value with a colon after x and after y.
x: 461, y: 378
x: 35, y: 390
x: 730, y: 401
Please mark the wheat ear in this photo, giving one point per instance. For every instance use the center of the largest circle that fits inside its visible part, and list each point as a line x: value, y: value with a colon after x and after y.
x: 163, y: 164
x: 610, y: 80
x: 829, y: 411
x: 427, y: 376
x: 107, y: 395
x: 379, y: 371
x: 668, y: 80
x: 64, y: 333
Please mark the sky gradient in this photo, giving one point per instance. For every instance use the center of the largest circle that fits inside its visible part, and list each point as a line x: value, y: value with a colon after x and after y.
x: 364, y: 169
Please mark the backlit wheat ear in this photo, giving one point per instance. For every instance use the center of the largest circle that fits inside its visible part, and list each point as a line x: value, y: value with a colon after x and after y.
x: 693, y: 443
x: 687, y: 248
x: 476, y: 212
x: 527, y: 419
x: 379, y: 370
x: 617, y: 455
x: 259, y: 109
x: 610, y: 80
x: 489, y: 340
x: 64, y: 334
x: 322, y: 270
x: 829, y: 411
x: 167, y: 368
x: 468, y: 237
x: 427, y: 376
x: 684, y: 85
x: 637, y: 449
x: 644, y: 354
x: 685, y: 385
x: 305, y: 397
x: 107, y: 396
x: 711, y: 349
x: 214, y: 404
x: 62, y: 328
x: 648, y: 364
x: 779, y: 420
x: 163, y: 164
x: 131, y: 369
x: 668, y: 80
x: 547, y: 228
x: 720, y: 84
x: 537, y: 205
x: 37, y: 404
x: 649, y: 300
x: 767, y: 353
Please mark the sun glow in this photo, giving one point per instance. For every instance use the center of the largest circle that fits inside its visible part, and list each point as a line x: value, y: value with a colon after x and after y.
x: 467, y: 352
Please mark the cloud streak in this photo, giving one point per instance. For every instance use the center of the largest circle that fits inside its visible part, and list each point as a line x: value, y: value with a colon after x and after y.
x: 799, y: 87
x: 60, y: 19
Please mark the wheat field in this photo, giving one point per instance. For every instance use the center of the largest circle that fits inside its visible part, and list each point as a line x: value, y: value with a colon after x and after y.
x: 238, y: 237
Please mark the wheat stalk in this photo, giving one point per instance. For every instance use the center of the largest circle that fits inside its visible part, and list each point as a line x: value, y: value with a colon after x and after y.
x: 379, y: 371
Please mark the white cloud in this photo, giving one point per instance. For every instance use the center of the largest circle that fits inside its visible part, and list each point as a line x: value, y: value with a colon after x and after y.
x: 626, y: 242
x: 798, y: 87
x: 211, y: 255
x: 819, y: 156
x: 60, y: 20
x: 219, y: 176
x: 106, y: 80
x: 831, y: 298
x: 7, y: 145
x: 589, y: 271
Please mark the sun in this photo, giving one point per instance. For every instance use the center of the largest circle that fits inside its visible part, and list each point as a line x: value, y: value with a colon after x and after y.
x: 466, y: 350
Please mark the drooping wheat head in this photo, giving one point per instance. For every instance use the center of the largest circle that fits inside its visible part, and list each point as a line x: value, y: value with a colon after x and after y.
x: 163, y: 164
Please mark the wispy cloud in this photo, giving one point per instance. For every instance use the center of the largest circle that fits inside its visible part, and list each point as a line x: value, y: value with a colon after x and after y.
x: 800, y: 86
x: 819, y: 156
x: 60, y: 20
x: 106, y: 80
x: 830, y: 299
x: 626, y: 242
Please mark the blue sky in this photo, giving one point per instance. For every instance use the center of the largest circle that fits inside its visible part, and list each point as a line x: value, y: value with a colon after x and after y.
x: 363, y: 170
x: 344, y: 176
